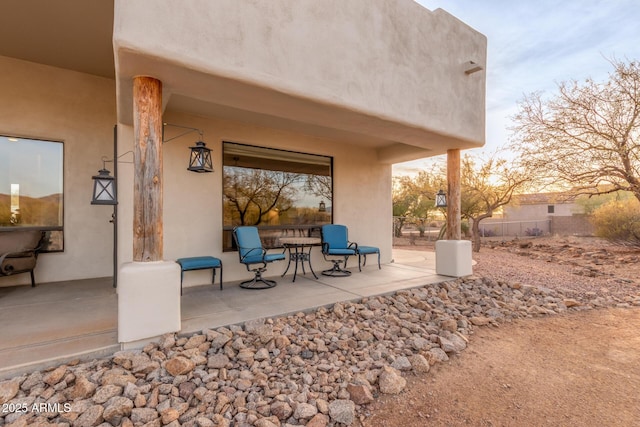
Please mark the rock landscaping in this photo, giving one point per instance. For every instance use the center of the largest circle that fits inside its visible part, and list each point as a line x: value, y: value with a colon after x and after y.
x: 318, y: 368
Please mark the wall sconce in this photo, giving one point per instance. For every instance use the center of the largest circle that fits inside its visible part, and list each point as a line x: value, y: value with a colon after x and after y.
x: 104, y: 185
x: 104, y: 188
x: 200, y: 158
x: 441, y: 199
x: 322, y: 207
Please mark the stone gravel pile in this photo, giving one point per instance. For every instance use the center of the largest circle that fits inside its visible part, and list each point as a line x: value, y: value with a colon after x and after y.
x: 319, y: 368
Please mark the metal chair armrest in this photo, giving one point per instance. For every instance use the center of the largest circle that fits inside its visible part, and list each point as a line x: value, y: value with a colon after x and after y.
x: 251, y: 252
x: 5, y: 270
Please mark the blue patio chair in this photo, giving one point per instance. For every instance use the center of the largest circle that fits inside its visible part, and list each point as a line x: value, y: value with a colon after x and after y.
x: 252, y: 254
x: 337, y: 249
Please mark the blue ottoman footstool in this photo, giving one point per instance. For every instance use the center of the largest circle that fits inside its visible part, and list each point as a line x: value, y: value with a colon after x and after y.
x: 200, y: 263
x: 367, y: 250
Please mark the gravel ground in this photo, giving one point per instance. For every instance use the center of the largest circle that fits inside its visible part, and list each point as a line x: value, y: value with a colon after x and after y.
x: 581, y: 266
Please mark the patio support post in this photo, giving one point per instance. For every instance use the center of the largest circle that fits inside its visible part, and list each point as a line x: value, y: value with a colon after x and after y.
x: 147, y: 159
x: 453, y: 195
x: 453, y: 255
x: 149, y: 288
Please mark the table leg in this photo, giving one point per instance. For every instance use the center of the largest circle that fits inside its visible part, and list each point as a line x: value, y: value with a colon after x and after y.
x: 295, y: 271
x: 289, y: 263
x: 309, y: 260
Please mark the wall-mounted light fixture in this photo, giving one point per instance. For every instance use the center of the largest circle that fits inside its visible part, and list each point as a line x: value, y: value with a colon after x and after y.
x: 441, y: 199
x: 104, y: 187
x: 200, y: 159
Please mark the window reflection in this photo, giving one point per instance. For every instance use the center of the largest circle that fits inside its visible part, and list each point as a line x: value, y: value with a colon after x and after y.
x: 31, y: 187
x: 281, y: 192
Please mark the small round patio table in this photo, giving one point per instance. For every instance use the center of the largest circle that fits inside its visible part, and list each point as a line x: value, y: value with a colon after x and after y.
x: 298, y: 253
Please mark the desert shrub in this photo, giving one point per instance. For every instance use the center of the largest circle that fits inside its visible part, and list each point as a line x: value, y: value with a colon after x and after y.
x: 535, y: 231
x: 618, y: 221
x: 464, y: 228
x: 488, y: 232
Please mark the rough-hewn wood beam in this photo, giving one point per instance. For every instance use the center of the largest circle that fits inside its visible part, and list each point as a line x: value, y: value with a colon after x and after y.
x: 453, y: 195
x: 147, y: 163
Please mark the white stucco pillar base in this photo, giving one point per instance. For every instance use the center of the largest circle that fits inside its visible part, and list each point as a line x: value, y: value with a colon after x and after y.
x: 148, y: 300
x: 453, y: 258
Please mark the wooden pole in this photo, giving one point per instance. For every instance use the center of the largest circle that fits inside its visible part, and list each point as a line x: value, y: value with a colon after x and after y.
x: 453, y: 195
x: 147, y: 164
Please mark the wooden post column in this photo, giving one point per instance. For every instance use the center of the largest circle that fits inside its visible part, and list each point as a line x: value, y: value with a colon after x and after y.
x: 147, y: 163
x: 453, y: 195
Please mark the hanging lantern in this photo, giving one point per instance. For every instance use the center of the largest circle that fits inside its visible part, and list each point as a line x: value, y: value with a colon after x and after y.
x: 322, y: 207
x: 104, y: 188
x: 441, y: 199
x: 200, y: 160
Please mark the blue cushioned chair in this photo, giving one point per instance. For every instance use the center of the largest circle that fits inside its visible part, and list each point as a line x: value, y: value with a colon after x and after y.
x: 336, y: 245
x: 252, y: 253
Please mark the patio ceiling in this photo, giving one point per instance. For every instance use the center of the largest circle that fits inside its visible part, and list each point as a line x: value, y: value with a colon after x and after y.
x: 70, y: 34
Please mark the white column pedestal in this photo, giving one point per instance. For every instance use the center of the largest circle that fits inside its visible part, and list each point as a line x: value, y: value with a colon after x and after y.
x: 148, y: 300
x: 453, y: 258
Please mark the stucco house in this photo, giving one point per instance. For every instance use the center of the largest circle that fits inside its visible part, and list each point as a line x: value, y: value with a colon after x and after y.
x: 540, y: 214
x: 331, y: 91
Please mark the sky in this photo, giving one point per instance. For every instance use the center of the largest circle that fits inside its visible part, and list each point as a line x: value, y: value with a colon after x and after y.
x: 532, y: 46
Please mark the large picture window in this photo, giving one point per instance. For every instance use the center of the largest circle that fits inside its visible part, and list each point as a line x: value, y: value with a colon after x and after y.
x: 281, y: 192
x: 31, y: 187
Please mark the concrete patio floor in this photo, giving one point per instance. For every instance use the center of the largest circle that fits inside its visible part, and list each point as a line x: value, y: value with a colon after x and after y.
x: 58, y: 322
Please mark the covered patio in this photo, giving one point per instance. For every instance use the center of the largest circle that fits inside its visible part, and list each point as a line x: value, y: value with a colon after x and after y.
x: 301, y: 115
x: 59, y: 322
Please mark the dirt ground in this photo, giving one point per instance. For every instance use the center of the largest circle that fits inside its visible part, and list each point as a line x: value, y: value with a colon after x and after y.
x: 578, y: 369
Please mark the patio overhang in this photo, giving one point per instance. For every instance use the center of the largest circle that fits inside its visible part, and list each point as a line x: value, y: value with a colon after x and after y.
x: 418, y: 104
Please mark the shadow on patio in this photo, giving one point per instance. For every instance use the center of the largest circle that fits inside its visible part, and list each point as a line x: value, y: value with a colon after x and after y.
x: 59, y: 322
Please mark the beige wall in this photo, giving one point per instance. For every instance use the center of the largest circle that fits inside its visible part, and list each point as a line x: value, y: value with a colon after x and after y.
x: 527, y: 212
x: 193, y: 202
x: 79, y: 109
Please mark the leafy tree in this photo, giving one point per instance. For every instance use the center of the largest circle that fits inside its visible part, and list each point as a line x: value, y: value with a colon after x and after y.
x: 402, y: 201
x: 251, y: 195
x: 587, y: 135
x: 319, y: 185
x: 591, y: 203
x: 485, y: 187
x: 413, y: 199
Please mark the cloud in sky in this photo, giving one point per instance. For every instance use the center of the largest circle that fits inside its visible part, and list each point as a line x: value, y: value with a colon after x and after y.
x: 535, y: 45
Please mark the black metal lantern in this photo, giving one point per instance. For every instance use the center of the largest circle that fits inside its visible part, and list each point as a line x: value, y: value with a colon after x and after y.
x: 322, y: 207
x: 200, y: 160
x: 104, y: 188
x: 441, y: 199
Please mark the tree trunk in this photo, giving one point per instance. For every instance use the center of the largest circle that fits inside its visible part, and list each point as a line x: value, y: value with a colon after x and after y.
x: 475, y: 230
x: 453, y: 195
x: 398, y: 227
x: 475, y: 236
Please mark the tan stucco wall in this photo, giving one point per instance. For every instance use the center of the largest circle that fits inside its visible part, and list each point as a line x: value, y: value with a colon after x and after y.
x: 44, y: 102
x: 193, y: 202
x: 387, y: 69
x: 527, y: 212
